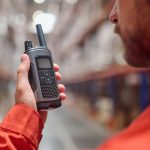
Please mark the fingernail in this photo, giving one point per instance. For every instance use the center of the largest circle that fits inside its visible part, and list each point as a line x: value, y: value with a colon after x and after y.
x: 22, y: 58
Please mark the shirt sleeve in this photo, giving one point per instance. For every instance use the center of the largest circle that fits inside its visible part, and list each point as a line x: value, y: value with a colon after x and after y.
x: 21, y: 129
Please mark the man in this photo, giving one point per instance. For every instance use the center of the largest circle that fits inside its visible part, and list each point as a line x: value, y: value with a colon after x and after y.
x: 132, y: 23
x: 22, y: 127
x: 132, y: 19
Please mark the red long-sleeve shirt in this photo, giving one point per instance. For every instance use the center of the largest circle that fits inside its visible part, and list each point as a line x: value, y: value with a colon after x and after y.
x: 21, y: 129
x: 135, y: 137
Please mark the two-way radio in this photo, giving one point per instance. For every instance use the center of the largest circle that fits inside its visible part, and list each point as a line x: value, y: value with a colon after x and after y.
x: 42, y: 75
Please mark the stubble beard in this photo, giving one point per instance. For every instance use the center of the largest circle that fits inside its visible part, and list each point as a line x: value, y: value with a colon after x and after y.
x: 137, y: 40
x: 137, y: 45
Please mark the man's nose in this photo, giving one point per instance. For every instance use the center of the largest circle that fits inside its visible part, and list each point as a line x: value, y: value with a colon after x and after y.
x: 113, y: 15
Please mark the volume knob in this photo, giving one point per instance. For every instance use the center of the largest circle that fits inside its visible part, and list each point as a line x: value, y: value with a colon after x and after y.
x: 28, y: 45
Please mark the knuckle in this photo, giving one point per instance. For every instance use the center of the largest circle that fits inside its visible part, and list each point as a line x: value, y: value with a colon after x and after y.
x: 20, y: 71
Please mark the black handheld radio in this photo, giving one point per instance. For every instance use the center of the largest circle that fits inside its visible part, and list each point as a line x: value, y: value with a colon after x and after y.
x: 42, y: 75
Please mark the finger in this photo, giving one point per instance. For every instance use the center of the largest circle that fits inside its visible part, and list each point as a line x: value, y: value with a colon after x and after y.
x: 56, y: 67
x: 58, y: 76
x: 22, y: 72
x: 63, y: 96
x: 24, y: 66
x: 61, y: 88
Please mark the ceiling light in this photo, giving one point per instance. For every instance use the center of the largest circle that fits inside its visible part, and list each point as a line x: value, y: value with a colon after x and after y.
x: 39, y: 1
x: 47, y: 20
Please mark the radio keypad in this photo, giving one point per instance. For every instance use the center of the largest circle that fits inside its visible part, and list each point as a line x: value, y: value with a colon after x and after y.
x: 45, y: 77
x: 49, y: 91
x: 48, y: 86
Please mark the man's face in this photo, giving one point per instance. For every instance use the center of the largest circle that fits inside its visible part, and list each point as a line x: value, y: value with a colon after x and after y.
x: 132, y: 19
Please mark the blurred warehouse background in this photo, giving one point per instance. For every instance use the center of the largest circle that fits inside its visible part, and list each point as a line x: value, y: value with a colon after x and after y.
x: 104, y: 93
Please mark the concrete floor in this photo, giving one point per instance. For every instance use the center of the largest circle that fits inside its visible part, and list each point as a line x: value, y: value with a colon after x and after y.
x: 68, y: 129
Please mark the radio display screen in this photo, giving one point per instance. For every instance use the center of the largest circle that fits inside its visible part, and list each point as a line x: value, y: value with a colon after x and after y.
x: 43, y: 63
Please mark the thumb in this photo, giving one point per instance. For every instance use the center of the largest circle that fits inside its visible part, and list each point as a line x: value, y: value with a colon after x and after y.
x: 24, y: 93
x: 22, y: 73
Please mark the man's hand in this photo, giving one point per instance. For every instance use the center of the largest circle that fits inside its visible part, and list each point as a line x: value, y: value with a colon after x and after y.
x: 24, y: 93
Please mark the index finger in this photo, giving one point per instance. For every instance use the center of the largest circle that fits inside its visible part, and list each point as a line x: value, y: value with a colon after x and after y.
x: 56, y: 67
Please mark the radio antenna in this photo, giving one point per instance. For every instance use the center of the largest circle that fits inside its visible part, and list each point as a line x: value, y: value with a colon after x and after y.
x: 40, y: 34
